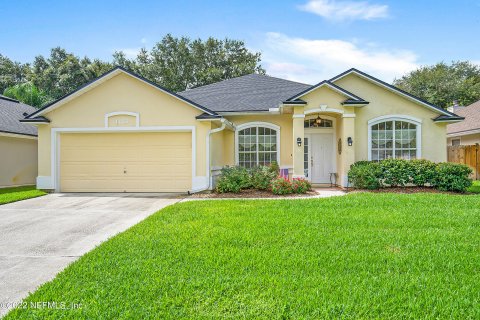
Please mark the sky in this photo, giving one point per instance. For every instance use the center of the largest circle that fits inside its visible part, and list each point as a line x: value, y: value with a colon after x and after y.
x: 301, y: 40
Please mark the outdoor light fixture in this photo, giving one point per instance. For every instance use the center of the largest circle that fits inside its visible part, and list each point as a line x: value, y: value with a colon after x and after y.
x: 350, y: 141
x: 299, y: 142
x: 318, y: 121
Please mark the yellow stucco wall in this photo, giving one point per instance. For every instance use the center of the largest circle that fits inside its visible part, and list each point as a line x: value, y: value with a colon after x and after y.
x: 123, y: 93
x: 18, y: 161
x: 469, y: 139
x: 383, y: 102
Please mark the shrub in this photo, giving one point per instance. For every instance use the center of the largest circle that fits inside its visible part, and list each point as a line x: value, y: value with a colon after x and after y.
x: 423, y: 172
x: 281, y: 185
x: 275, y: 168
x: 300, y: 185
x: 452, y: 177
x: 396, y: 172
x: 261, y: 177
x: 365, y: 175
x: 233, y: 179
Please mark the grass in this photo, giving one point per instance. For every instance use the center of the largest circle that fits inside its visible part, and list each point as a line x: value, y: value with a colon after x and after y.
x: 475, y: 187
x: 13, y: 194
x: 389, y: 256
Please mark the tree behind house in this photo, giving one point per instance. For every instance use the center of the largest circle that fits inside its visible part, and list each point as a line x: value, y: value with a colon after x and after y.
x: 441, y: 83
x: 180, y: 63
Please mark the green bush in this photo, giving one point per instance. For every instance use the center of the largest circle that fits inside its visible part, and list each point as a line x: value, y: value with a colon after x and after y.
x: 423, y: 172
x: 233, y: 179
x: 281, y: 185
x: 452, y: 177
x: 365, y: 175
x: 275, y: 168
x: 300, y: 185
x: 261, y: 177
x: 396, y: 172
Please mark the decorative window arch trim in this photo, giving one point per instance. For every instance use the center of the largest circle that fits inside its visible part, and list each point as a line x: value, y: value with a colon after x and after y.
x: 396, y: 117
x: 123, y: 113
x: 257, y: 124
x: 399, y: 117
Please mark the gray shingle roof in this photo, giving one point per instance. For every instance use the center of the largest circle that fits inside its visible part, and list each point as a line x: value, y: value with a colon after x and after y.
x: 253, y: 92
x: 471, y: 114
x: 11, y: 111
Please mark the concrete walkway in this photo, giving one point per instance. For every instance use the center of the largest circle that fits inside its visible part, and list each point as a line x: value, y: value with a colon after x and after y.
x: 40, y: 237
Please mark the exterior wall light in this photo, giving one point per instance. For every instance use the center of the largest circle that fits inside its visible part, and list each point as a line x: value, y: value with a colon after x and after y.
x: 299, y: 142
x: 349, y: 141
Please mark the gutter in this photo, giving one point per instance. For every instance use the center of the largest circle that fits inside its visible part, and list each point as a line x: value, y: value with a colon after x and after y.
x: 225, y: 123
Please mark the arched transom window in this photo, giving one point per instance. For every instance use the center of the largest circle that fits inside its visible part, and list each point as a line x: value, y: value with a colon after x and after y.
x: 257, y: 144
x: 395, y: 137
x: 318, y: 123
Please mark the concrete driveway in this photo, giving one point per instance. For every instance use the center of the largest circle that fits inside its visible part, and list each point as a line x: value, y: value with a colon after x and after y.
x: 40, y: 237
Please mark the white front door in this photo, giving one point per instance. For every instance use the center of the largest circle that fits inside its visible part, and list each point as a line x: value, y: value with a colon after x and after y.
x: 321, y: 156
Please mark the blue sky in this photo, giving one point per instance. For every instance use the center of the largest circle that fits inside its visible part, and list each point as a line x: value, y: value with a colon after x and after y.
x: 303, y: 40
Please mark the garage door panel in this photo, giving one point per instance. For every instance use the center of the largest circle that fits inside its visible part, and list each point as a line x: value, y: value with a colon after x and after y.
x: 131, y: 162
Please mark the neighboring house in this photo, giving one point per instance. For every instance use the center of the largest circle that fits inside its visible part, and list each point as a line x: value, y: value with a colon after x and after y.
x: 122, y: 132
x: 466, y: 132
x: 18, y: 144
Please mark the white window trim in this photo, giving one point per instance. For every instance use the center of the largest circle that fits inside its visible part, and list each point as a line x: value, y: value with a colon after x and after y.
x: 198, y: 183
x: 395, y: 117
x: 257, y: 124
x: 123, y: 113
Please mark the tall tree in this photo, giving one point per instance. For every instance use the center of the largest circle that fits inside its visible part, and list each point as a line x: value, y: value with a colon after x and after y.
x: 27, y: 93
x: 180, y: 63
x: 12, y: 73
x: 175, y: 63
x: 443, y: 83
x: 63, y: 72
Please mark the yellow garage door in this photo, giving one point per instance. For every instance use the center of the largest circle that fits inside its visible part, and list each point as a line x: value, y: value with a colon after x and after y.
x: 126, y: 162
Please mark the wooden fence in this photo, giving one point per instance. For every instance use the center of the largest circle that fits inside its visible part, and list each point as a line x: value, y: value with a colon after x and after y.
x: 469, y: 155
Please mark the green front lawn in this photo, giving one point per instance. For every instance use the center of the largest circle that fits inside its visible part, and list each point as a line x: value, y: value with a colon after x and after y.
x: 475, y: 187
x: 13, y: 194
x: 365, y: 255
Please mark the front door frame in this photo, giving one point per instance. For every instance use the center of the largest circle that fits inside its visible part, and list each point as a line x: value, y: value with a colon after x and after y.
x: 309, y: 131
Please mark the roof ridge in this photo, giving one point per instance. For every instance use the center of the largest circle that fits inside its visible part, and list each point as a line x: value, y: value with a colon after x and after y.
x: 242, y: 76
x: 8, y: 98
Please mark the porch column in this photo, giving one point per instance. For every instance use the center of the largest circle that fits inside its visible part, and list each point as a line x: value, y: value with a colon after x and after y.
x: 298, y: 132
x: 348, y: 156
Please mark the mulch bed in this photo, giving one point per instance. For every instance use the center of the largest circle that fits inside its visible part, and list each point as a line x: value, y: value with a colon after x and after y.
x: 407, y: 190
x: 251, y: 193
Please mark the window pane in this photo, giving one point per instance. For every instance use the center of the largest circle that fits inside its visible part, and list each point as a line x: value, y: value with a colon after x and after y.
x: 393, y: 139
x: 257, y: 146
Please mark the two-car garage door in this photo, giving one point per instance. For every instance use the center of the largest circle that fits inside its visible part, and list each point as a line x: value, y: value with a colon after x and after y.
x: 126, y: 162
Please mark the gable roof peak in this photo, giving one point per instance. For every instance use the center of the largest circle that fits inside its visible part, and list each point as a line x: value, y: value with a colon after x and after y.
x: 104, y: 77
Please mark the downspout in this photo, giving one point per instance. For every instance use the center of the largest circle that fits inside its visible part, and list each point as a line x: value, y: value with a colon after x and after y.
x: 221, y: 128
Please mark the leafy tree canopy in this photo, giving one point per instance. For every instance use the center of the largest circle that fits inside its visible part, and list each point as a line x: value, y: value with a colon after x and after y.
x: 174, y: 63
x: 27, y: 93
x: 182, y: 63
x: 443, y: 83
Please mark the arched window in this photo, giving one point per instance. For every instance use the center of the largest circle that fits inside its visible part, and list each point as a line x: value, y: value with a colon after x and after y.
x: 397, y: 137
x: 257, y: 144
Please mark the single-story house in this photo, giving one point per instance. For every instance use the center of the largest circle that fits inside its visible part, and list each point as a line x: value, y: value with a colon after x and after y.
x: 466, y: 132
x: 18, y: 144
x: 123, y: 133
